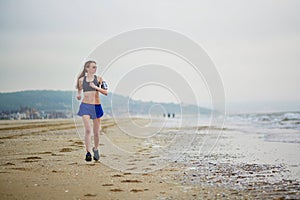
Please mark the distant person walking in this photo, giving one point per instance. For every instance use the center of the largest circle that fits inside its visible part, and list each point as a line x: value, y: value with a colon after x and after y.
x: 90, y: 107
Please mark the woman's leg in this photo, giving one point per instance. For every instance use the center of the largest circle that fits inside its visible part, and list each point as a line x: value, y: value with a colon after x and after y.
x: 96, y: 127
x: 87, y: 128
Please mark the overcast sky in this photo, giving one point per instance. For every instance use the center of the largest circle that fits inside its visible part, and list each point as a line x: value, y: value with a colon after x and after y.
x: 254, y: 44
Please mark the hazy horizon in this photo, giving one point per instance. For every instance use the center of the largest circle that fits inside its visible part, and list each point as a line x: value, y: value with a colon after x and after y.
x: 253, y: 44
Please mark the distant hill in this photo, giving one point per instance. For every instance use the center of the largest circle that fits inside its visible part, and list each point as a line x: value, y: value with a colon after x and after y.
x: 56, y: 100
x: 39, y: 99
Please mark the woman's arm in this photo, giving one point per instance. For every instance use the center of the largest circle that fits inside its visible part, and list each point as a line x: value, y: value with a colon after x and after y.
x: 79, y: 89
x: 105, y: 92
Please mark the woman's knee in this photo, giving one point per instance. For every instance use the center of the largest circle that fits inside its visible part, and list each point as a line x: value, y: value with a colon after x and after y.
x: 88, y: 131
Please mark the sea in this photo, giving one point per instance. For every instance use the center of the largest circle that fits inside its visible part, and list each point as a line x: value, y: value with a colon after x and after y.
x: 277, y: 126
x: 280, y: 127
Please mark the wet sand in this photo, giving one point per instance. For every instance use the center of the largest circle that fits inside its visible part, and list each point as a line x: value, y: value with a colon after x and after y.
x: 44, y: 159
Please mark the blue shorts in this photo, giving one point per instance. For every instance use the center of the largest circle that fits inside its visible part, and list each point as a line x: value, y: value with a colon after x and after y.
x: 93, y: 110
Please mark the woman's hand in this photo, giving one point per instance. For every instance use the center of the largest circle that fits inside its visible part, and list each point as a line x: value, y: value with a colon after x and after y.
x: 92, y: 85
x: 78, y: 96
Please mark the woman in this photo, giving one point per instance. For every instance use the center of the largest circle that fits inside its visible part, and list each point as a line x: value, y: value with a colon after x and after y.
x: 90, y: 107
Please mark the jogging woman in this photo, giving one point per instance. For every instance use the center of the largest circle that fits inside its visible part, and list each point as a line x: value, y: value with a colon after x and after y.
x: 90, y: 107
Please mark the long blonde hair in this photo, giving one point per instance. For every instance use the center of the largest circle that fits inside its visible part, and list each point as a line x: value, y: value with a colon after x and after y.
x: 82, y: 74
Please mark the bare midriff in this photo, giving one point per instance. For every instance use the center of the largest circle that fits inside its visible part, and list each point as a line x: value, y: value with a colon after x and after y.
x: 91, y: 97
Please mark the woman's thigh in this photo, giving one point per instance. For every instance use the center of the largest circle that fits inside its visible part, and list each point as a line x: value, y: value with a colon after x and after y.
x: 86, y: 119
x: 97, y: 121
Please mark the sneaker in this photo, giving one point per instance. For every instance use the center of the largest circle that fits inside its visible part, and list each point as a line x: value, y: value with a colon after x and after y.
x: 96, y: 154
x: 88, y: 157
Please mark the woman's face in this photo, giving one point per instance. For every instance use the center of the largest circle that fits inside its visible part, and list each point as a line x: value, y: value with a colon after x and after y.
x: 91, y: 68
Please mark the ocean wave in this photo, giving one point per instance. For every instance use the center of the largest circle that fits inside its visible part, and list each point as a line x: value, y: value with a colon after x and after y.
x: 291, y: 117
x: 288, y: 120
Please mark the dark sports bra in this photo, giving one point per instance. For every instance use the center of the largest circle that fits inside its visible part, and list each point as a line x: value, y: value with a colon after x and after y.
x: 86, y: 85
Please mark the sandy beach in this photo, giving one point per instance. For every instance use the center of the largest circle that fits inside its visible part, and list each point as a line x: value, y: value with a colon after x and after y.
x: 44, y: 159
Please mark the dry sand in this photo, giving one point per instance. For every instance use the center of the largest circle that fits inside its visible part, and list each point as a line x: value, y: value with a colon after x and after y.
x: 44, y: 159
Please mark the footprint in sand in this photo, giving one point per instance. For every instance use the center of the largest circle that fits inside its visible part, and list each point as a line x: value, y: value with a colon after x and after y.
x: 153, y: 156
x: 55, y: 171
x: 136, y: 190
x: 55, y: 154
x: 8, y: 164
x: 131, y: 164
x: 44, y: 152
x: 131, y: 181
x: 32, y: 158
x: 21, y: 168
x: 116, y: 190
x: 90, y: 195
x: 78, y: 144
x: 66, y: 150
x: 117, y: 175
x: 108, y: 184
x: 142, y: 150
x: 134, y: 160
